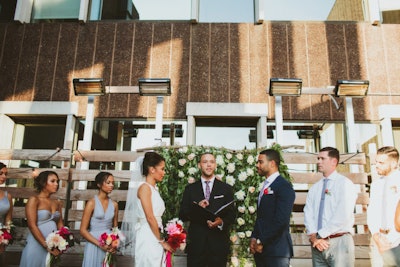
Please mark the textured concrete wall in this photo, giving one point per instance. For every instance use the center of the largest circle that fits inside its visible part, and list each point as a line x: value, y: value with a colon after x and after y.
x: 206, y: 63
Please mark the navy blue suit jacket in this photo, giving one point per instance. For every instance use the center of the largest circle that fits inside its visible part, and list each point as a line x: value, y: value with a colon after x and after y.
x: 273, y: 220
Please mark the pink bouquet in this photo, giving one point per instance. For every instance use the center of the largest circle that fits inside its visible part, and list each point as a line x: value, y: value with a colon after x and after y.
x: 60, y: 240
x: 112, y: 239
x: 176, y: 238
x: 5, y: 236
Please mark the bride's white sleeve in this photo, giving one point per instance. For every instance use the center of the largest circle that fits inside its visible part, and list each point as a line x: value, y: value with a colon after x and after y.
x: 130, y: 219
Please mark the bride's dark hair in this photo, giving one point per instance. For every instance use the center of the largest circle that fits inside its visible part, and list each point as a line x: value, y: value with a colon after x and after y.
x: 151, y: 159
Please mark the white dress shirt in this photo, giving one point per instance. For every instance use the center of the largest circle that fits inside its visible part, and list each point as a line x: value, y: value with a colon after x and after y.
x: 338, y: 215
x: 388, y: 187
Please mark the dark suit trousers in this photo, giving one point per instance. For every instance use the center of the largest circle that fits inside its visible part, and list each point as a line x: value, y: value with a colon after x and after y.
x: 207, y: 259
x: 271, y: 261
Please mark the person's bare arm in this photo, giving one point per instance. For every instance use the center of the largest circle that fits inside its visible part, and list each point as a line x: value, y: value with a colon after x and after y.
x: 144, y: 194
x: 87, y: 214
x: 8, y: 218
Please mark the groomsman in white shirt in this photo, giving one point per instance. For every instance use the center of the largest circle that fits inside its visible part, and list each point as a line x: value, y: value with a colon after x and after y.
x: 329, y: 214
x: 384, y: 196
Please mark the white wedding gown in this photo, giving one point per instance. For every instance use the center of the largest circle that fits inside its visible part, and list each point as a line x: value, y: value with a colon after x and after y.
x: 148, y: 251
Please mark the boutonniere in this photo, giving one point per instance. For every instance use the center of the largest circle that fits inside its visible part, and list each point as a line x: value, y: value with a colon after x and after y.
x: 327, y: 192
x: 393, y: 189
x: 268, y: 191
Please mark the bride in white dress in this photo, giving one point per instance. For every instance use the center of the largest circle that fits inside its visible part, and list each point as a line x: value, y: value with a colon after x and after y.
x: 142, y: 219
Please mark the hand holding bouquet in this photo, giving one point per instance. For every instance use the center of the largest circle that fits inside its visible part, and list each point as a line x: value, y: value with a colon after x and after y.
x: 112, y: 241
x: 176, y: 238
x: 5, y: 236
x: 58, y: 242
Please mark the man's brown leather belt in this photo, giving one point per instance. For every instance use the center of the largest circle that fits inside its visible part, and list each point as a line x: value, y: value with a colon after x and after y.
x: 336, y: 235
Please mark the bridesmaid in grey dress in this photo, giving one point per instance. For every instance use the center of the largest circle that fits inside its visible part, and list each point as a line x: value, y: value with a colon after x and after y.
x: 100, y: 216
x: 44, y: 216
x: 6, y: 208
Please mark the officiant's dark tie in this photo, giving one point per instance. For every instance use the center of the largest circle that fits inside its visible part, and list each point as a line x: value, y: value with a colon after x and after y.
x: 321, y: 206
x: 208, y: 192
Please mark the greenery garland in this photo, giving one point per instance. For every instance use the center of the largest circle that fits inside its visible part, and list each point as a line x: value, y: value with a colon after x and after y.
x: 237, y: 168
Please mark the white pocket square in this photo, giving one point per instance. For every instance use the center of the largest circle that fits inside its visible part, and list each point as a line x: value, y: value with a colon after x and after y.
x: 220, y: 196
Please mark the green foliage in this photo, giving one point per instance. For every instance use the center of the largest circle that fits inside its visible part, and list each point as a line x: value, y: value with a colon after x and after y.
x: 237, y: 168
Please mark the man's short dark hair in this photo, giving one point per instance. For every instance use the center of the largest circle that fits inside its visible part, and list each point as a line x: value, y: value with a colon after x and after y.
x: 272, y: 154
x: 332, y: 152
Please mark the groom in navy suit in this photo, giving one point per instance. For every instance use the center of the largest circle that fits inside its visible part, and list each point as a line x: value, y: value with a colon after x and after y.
x: 208, y: 242
x: 270, y: 242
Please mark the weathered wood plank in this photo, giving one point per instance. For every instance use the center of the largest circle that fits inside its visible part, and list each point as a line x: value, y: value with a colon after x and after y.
x: 311, y: 158
x: 23, y: 192
x: 116, y: 195
x: 89, y: 175
x: 313, y: 177
x: 28, y: 173
x: 298, y: 218
x: 107, y: 155
x: 362, y: 199
x: 35, y: 154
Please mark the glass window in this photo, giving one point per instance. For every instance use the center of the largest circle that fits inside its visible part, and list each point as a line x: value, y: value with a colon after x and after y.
x: 7, y: 10
x: 297, y: 10
x: 163, y: 10
x: 50, y: 9
x: 228, y: 137
x: 226, y: 11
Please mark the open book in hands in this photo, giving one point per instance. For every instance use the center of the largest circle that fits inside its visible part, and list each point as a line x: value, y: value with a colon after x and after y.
x: 205, y: 214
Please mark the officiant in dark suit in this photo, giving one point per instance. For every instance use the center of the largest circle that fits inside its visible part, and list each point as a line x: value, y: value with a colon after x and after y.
x: 271, y: 242
x: 208, y: 242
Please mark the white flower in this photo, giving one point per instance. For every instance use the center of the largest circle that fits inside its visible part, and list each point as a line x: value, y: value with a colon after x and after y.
x: 240, y: 194
x: 191, y: 156
x: 181, y: 174
x: 219, y: 160
x: 239, y: 156
x: 250, y: 172
x: 221, y: 175
x: 228, y: 155
x: 192, y: 170
x: 182, y: 162
x: 250, y: 159
x: 230, y: 180
x: 235, y: 261
x: 240, y: 221
x: 241, y: 209
x: 252, y: 209
x: 231, y: 167
x: 241, y: 235
x: 248, y: 233
x: 191, y: 180
x: 183, y: 149
x: 252, y: 189
x: 62, y: 245
x: 242, y: 176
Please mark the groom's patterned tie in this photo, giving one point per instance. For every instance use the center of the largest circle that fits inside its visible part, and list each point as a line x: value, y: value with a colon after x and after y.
x: 208, y: 192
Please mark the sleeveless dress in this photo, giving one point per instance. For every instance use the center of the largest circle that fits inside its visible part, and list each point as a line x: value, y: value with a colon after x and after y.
x: 148, y: 251
x: 4, y: 207
x: 101, y: 222
x: 34, y: 255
